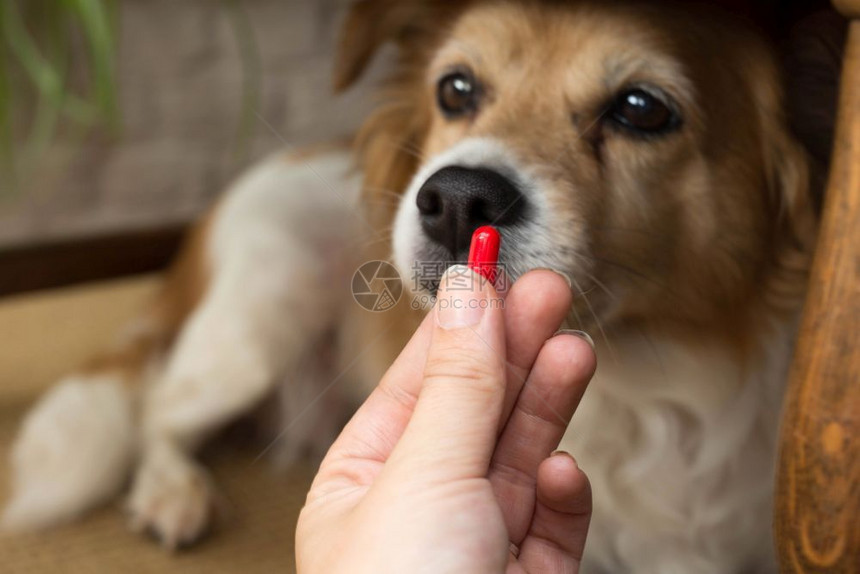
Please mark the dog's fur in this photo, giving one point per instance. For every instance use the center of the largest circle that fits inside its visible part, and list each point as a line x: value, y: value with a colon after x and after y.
x: 687, y: 251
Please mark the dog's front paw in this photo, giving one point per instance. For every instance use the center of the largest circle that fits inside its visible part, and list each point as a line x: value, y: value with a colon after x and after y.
x: 171, y: 498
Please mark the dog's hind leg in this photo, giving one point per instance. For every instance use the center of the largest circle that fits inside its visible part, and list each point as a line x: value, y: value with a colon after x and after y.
x: 274, y: 294
x: 76, y: 446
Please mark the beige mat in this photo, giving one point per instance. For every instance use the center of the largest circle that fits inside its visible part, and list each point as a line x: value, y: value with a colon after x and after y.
x: 45, y: 335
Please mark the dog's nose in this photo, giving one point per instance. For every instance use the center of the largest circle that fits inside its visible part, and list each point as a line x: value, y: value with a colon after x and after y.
x: 455, y: 201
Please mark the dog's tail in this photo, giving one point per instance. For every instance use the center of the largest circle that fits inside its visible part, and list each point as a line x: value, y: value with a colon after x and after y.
x: 76, y: 448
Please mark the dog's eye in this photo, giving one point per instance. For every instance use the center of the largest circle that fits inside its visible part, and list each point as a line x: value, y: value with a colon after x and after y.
x: 642, y: 112
x: 457, y: 94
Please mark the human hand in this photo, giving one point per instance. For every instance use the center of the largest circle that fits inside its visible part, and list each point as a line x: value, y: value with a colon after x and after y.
x: 446, y: 467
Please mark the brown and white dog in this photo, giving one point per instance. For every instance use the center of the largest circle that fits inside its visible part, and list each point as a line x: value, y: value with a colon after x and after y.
x: 640, y: 150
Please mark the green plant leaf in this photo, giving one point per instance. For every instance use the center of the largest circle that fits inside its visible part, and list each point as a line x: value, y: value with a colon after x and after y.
x: 95, y: 20
x: 45, y: 65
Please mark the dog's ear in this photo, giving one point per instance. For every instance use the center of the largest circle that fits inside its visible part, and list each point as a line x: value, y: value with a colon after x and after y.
x: 371, y: 23
x: 368, y: 25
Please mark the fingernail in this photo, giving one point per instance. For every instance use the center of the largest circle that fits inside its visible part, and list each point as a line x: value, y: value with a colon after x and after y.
x: 460, y: 301
x: 561, y: 274
x: 581, y: 334
x: 563, y: 453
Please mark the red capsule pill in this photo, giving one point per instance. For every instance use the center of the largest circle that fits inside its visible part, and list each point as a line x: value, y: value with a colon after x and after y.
x: 484, y: 252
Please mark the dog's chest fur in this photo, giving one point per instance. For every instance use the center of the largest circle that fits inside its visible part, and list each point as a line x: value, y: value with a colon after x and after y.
x: 678, y: 439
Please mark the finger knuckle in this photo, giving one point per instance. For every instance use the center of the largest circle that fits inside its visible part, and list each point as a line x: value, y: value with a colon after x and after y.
x: 462, y: 368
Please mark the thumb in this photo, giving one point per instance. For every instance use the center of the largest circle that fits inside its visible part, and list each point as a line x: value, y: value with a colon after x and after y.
x: 453, y: 430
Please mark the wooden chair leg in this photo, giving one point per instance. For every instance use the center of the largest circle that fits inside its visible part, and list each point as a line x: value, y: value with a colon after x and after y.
x: 817, y: 513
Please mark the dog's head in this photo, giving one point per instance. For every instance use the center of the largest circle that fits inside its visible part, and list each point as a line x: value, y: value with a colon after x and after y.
x: 640, y: 150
